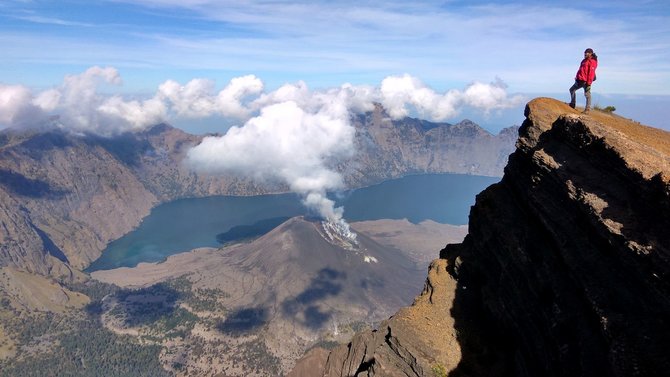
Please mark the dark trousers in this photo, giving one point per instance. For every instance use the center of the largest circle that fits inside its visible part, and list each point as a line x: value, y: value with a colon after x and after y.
x: 587, y: 93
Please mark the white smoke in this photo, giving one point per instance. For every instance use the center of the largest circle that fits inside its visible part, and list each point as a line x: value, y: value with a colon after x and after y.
x: 286, y: 142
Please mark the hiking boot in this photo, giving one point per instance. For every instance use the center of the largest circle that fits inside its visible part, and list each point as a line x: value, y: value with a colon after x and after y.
x: 586, y: 111
x: 571, y: 105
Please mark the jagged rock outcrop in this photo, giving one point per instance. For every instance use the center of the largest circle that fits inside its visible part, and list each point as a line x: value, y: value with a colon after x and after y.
x: 417, y: 341
x: 64, y: 197
x: 387, y: 148
x: 565, y: 270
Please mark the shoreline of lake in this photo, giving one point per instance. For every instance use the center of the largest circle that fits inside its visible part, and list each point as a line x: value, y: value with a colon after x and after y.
x: 191, y: 223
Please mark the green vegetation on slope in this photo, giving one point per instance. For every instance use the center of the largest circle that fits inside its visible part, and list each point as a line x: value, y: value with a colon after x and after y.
x: 73, y: 344
x: 77, y: 343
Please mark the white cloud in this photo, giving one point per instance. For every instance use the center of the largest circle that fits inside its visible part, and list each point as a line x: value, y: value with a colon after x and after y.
x: 297, y: 92
x: 52, y: 21
x: 16, y: 108
x: 489, y: 97
x: 198, y: 99
x: 77, y: 105
x: 350, y: 98
x: 358, y: 98
x: 48, y: 100
x: 397, y: 92
x: 80, y: 105
x: 188, y: 100
x: 136, y: 114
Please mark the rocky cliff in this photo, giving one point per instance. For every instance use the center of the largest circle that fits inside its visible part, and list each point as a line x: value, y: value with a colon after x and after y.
x: 389, y: 149
x: 565, y: 270
x: 63, y: 197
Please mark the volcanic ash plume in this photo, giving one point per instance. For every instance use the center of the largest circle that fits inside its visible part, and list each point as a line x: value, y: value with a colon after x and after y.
x: 292, y: 144
x: 338, y: 232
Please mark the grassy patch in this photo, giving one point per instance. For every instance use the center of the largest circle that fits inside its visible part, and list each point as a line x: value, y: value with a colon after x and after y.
x: 606, y: 109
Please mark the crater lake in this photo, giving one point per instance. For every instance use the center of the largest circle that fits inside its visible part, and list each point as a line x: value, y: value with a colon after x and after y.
x: 186, y: 224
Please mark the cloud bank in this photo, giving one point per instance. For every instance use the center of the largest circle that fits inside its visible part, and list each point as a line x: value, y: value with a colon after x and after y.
x: 292, y: 134
x: 80, y: 104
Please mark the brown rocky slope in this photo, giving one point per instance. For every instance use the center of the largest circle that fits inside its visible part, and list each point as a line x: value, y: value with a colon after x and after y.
x: 565, y: 271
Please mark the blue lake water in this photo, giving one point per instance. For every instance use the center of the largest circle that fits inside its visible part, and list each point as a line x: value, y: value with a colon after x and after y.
x: 186, y: 224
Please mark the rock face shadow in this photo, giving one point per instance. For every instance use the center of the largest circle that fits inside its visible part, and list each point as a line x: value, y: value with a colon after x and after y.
x: 50, y: 246
x: 127, y: 148
x: 247, y: 232
x: 245, y: 320
x: 33, y: 188
x: 148, y: 305
x: 304, y: 307
x: 561, y: 273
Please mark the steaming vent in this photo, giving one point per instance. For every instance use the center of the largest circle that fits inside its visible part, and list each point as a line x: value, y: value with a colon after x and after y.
x: 337, y: 232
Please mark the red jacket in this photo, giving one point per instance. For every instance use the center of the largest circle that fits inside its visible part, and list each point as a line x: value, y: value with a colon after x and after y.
x: 587, y: 70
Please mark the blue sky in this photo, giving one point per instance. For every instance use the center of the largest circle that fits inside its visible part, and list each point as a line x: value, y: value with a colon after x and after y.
x: 532, y: 46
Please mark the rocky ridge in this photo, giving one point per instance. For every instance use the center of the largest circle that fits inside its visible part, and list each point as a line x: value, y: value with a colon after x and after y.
x: 389, y: 149
x: 565, y: 270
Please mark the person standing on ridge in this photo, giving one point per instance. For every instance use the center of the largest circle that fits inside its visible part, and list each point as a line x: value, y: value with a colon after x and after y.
x: 586, y: 75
